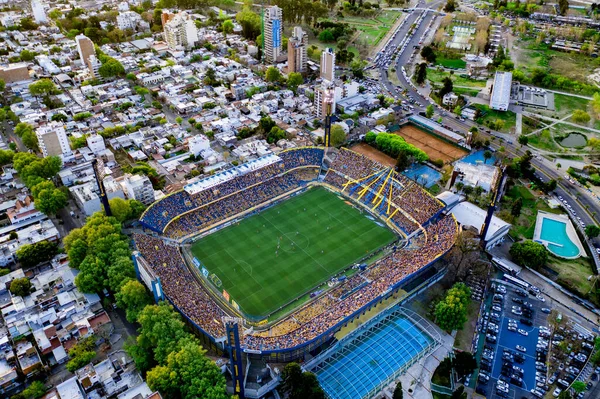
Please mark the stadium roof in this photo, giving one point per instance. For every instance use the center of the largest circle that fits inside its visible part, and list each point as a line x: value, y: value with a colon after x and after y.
x: 501, y: 91
x: 230, y: 174
x: 468, y: 214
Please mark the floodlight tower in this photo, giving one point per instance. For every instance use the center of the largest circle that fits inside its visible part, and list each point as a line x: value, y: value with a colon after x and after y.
x: 498, y: 189
x: 235, y: 354
x: 328, y: 108
x: 98, y: 166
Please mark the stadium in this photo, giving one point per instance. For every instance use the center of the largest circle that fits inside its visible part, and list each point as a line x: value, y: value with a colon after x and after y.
x: 275, y: 259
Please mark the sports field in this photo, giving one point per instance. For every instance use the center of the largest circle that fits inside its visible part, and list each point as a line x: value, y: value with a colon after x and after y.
x: 269, y: 259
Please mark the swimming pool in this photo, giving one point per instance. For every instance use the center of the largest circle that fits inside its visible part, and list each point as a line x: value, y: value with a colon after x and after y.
x: 477, y: 157
x: 423, y: 174
x: 367, y: 362
x: 554, y: 233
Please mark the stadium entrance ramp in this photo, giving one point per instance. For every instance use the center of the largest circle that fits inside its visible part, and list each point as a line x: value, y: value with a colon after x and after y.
x: 363, y: 363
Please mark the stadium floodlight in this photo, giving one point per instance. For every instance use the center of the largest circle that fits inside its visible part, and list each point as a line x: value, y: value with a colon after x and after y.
x: 328, y: 101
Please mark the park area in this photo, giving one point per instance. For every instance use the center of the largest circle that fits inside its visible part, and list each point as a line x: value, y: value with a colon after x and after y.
x: 269, y: 259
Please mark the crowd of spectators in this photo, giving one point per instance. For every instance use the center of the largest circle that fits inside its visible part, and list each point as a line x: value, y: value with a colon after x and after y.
x: 406, y: 197
x: 235, y: 203
x: 158, y: 216
x: 179, y: 285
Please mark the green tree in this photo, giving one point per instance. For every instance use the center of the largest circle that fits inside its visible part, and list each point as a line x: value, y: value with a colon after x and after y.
x: 82, y: 353
x: 133, y: 297
x: 428, y: 54
x: 421, y: 73
x: 578, y: 386
x: 447, y: 87
x: 464, y: 363
x: 403, y: 161
x: 451, y: 312
x: 249, y: 21
x: 596, y: 105
x: 48, y: 198
x: 516, y: 207
x: 300, y: 385
x: 43, y: 88
x: 27, y: 55
x: 59, y: 117
x: 457, y: 110
x: 326, y: 36
x: 592, y: 231
x: 36, y: 390
x: 111, y: 68
x: 563, y: 7
x: 294, y: 80
x: 565, y: 395
x: 523, y: 140
x: 581, y: 117
x: 30, y: 255
x: 338, y: 136
x: 529, y: 253
x: 227, y: 27
x: 190, y: 373
x: 459, y: 393
x: 487, y: 154
x: 6, y: 157
x: 20, y: 286
x: 429, y: 111
x: 273, y: 75
x: 398, y: 393
x: 450, y: 6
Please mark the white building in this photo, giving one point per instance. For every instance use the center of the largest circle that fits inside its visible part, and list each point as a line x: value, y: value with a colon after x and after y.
x: 328, y: 64
x: 86, y: 196
x: 272, y: 34
x: 449, y: 99
x: 198, y: 143
x: 500, y: 99
x: 53, y: 139
x: 180, y: 31
x: 128, y: 20
x: 138, y: 187
x: 95, y: 143
x: 37, y: 9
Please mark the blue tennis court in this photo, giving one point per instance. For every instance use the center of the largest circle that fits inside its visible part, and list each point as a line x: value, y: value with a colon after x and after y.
x: 362, y: 365
x: 423, y: 174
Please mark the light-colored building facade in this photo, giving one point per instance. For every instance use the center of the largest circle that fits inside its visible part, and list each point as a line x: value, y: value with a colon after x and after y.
x: 53, y: 139
x: 180, y: 31
x: 139, y: 187
x: 324, y: 101
x: 297, y: 51
x: 37, y: 9
x: 500, y: 98
x: 87, y: 53
x: 128, y: 20
x: 328, y: 64
x: 272, y: 34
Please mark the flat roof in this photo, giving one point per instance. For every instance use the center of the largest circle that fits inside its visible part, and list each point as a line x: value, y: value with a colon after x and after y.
x: 501, y: 91
x: 468, y: 214
x: 436, y: 127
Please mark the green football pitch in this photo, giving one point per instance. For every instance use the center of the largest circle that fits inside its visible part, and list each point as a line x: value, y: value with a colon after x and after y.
x: 275, y: 256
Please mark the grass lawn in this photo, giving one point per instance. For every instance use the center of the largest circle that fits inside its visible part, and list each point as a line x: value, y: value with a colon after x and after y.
x: 544, y: 141
x: 451, y: 63
x: 466, y: 92
x: 465, y: 336
x: 437, y: 76
x: 509, y: 117
x: 572, y: 273
x: 567, y: 104
x: 524, y: 225
x: 271, y: 258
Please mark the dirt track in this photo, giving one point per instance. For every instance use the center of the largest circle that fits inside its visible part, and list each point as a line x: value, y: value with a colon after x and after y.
x: 434, y: 147
x: 374, y: 154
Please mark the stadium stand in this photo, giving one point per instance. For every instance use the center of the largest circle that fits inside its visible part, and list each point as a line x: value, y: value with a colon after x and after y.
x: 412, y: 207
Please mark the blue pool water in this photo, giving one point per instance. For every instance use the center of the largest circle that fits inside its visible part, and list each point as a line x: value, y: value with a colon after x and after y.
x: 559, y: 243
x: 423, y: 174
x: 477, y: 157
x: 361, y: 368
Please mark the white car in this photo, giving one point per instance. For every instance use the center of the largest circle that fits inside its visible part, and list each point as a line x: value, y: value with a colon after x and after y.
x: 523, y: 332
x: 521, y: 348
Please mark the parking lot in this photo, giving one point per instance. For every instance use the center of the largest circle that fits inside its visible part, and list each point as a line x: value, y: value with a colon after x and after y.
x: 505, y: 371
